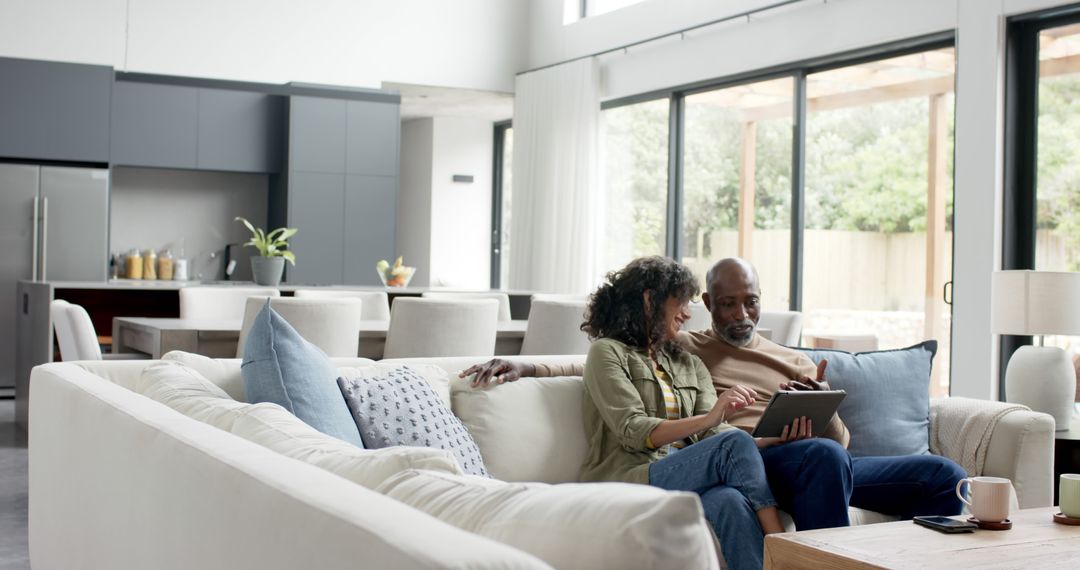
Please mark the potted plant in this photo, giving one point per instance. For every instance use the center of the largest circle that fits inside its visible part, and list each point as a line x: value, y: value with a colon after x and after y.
x: 273, y: 248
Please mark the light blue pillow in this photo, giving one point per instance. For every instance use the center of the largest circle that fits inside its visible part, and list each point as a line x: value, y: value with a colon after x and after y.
x: 887, y: 408
x: 401, y: 408
x: 279, y: 366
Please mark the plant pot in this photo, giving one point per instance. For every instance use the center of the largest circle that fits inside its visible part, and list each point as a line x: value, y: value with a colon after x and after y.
x: 267, y: 270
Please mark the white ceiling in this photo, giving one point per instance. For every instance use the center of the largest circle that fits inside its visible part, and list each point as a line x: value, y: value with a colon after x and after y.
x: 419, y: 101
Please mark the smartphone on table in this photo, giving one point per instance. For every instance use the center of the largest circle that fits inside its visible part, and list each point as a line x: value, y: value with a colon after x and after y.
x: 945, y: 524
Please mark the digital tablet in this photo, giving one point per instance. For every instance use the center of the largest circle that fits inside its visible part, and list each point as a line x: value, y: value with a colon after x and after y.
x: 786, y: 405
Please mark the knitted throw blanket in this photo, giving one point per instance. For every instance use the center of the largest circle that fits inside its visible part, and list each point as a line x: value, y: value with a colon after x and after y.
x: 961, y: 428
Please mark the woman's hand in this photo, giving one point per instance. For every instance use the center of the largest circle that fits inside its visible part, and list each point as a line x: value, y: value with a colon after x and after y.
x: 496, y: 371
x: 730, y: 401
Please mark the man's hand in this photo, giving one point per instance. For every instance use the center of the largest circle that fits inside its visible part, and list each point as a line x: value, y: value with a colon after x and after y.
x: 496, y: 371
x: 800, y: 428
x: 809, y: 384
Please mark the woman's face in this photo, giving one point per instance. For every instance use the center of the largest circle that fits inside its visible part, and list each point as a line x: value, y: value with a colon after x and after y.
x: 676, y: 312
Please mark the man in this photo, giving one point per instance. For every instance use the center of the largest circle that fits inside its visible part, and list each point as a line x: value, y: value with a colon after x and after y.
x: 815, y: 479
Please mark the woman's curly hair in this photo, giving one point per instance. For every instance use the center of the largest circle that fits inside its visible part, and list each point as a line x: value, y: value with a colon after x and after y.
x: 617, y: 309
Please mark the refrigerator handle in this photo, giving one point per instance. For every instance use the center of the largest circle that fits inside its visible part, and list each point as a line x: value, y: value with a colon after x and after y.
x: 44, y: 237
x: 34, y: 243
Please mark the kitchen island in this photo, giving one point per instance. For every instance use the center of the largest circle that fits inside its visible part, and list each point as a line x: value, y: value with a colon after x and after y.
x: 107, y: 300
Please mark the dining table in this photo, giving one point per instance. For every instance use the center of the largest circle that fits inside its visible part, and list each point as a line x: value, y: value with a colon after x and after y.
x: 217, y: 338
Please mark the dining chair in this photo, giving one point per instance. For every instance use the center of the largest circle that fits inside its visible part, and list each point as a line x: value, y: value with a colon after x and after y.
x: 225, y: 302
x: 502, y: 298
x: 330, y: 324
x: 700, y: 317
x: 786, y: 326
x: 555, y: 328
x: 441, y: 327
x: 76, y: 335
x: 376, y: 304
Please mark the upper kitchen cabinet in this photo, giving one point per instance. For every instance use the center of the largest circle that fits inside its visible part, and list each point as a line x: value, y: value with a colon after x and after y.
x: 240, y: 131
x: 373, y: 138
x: 154, y: 125
x: 54, y: 111
x: 317, y: 134
x: 160, y: 122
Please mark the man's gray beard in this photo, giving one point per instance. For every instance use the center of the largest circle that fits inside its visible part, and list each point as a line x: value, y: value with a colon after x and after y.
x: 735, y: 341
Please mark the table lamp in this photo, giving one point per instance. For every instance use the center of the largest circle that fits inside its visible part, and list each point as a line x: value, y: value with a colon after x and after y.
x: 1038, y: 303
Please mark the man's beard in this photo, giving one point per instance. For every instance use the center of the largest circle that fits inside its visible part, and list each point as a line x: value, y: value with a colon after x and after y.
x: 728, y: 334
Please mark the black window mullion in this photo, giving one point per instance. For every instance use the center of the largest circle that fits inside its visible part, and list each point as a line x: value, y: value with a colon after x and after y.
x: 798, y: 191
x: 676, y: 123
x: 497, y: 203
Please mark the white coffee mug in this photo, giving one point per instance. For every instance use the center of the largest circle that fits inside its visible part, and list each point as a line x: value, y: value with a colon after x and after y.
x: 989, y: 497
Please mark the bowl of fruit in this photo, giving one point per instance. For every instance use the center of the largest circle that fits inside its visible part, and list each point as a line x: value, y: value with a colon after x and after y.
x: 396, y: 275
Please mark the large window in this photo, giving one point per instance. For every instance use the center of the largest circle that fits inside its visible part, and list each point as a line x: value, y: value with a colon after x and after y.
x: 737, y: 182
x: 635, y: 170
x: 877, y: 241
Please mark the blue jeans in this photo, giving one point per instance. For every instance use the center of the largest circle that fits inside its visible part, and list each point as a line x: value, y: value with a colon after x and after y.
x: 815, y: 480
x: 726, y: 471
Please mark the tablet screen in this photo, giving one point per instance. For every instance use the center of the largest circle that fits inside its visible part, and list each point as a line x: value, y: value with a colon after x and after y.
x: 786, y: 405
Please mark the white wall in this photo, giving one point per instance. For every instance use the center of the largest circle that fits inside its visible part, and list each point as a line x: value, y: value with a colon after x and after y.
x: 444, y: 227
x: 461, y: 212
x: 821, y: 28
x: 414, y: 198
x: 474, y: 44
x: 156, y: 209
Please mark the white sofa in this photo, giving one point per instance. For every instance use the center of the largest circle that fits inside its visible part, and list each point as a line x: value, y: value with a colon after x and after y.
x: 118, y: 480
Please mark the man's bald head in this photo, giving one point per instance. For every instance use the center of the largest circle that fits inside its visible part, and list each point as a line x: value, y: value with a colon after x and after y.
x: 733, y: 297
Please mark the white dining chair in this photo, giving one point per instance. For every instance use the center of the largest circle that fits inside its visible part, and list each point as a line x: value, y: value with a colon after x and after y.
x: 700, y: 317
x: 441, y: 327
x: 76, y: 335
x: 376, y: 303
x: 502, y: 298
x: 330, y: 324
x: 555, y: 328
x: 786, y: 326
x: 225, y: 302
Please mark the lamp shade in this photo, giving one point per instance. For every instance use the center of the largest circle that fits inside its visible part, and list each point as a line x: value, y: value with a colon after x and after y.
x: 1029, y: 302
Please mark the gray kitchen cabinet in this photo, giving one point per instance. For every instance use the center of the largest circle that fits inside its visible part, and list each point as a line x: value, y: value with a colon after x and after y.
x: 54, y: 111
x: 315, y: 209
x: 369, y: 238
x: 154, y: 125
x: 317, y: 134
x: 372, y: 138
x: 240, y: 131
x: 75, y: 244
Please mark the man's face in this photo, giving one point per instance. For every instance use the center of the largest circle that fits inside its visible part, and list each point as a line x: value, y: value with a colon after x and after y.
x: 734, y: 300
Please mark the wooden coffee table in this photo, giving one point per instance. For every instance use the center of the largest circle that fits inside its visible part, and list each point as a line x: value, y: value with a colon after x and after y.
x: 1034, y: 541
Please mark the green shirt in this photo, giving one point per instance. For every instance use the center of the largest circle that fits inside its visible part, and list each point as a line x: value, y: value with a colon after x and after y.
x: 624, y: 404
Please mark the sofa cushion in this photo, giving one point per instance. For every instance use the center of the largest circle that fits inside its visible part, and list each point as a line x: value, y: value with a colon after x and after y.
x: 887, y: 408
x: 186, y: 391
x: 529, y: 430
x: 225, y: 373
x: 275, y: 428
x: 579, y: 525
x: 281, y: 367
x: 400, y: 407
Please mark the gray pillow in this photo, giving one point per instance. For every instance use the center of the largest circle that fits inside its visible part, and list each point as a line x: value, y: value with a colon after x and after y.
x: 887, y: 408
x: 402, y: 408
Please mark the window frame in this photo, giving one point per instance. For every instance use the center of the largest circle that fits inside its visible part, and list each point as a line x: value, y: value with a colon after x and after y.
x: 498, y: 163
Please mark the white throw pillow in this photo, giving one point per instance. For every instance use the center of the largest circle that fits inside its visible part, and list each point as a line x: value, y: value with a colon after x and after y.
x: 275, y: 428
x: 188, y: 392
x: 529, y: 430
x: 434, y: 375
x: 578, y: 525
x: 225, y: 373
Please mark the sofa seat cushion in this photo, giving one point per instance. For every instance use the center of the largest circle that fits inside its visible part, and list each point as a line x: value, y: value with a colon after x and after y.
x: 276, y: 429
x: 186, y: 391
x: 281, y: 367
x: 530, y: 430
x: 578, y: 525
x: 395, y: 405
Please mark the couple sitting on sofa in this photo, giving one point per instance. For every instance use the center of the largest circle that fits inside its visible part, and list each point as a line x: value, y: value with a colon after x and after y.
x: 662, y: 407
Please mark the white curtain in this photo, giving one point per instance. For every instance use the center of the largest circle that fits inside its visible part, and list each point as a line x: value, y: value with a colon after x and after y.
x: 555, y: 206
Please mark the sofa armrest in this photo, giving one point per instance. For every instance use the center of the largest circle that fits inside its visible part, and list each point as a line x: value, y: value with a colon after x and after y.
x: 1020, y: 448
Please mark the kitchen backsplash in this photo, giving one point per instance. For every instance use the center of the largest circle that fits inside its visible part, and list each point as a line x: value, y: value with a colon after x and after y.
x: 169, y: 209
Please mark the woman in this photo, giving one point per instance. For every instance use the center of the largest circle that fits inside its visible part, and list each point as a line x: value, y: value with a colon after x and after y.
x: 652, y: 413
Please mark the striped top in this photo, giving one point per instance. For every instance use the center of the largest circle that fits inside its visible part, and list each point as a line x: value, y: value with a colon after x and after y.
x: 670, y: 403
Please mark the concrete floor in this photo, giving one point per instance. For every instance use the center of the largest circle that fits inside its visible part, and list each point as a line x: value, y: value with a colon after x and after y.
x: 13, y: 477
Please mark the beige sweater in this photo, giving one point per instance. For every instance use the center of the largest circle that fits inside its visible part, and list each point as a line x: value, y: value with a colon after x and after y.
x: 761, y: 366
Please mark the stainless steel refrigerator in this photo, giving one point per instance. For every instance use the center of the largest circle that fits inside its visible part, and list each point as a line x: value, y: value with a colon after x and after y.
x: 54, y: 226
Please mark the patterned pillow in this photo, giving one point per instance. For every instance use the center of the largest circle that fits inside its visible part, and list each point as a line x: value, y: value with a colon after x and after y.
x: 400, y: 407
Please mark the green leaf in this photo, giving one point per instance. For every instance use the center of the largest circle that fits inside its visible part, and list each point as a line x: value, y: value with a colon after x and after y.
x: 289, y: 256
